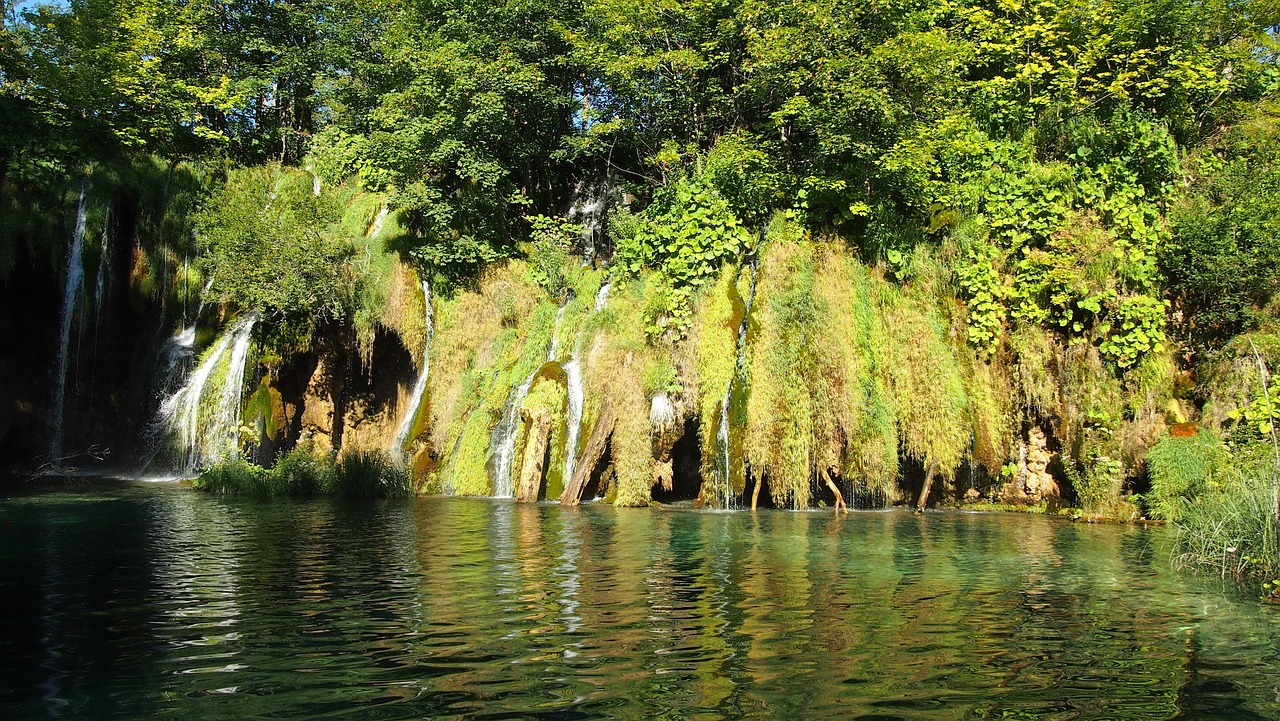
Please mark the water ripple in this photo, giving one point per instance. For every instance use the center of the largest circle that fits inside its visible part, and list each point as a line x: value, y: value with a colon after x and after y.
x: 159, y: 603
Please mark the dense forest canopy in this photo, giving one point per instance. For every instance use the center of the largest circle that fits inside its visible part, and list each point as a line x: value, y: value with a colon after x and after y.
x: 894, y: 124
x: 1070, y: 201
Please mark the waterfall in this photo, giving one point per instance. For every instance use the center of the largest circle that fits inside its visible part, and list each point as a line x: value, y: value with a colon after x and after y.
x: 180, y: 346
x: 555, y: 333
x: 376, y: 227
x: 103, y: 281
x: 70, y: 294
x: 419, y: 388
x: 722, y: 435
x: 504, y: 435
x: 574, y: 392
x: 589, y: 209
x: 204, y: 438
x: 573, y: 372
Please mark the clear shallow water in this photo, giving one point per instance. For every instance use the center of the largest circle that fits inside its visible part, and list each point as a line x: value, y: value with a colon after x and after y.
x: 156, y: 602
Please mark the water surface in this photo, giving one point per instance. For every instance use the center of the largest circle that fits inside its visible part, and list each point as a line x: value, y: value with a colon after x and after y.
x: 156, y: 602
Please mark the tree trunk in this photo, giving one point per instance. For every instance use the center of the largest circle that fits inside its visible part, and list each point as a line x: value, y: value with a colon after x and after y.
x: 755, y: 492
x: 535, y: 455
x: 840, y: 504
x: 924, y: 490
x: 596, y: 446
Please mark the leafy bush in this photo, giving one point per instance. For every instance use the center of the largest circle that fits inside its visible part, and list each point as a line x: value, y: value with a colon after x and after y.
x: 235, y: 478
x: 549, y: 252
x: 686, y: 234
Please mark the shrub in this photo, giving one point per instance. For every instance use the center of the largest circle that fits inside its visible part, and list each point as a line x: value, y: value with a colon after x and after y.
x: 235, y: 478
x: 302, y: 473
x: 367, y: 475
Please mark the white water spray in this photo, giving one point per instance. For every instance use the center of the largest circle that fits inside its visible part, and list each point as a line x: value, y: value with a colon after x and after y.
x: 71, y: 293
x: 419, y: 388
x: 573, y: 389
x: 207, y: 435
x: 378, y: 220
x: 504, y: 435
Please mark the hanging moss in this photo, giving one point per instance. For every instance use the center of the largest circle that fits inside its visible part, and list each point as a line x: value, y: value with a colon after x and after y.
x: 617, y: 352
x: 265, y: 405
x: 924, y: 380
x: 990, y: 409
x: 547, y: 398
x: 781, y: 411
x: 718, y: 317
x: 487, y: 343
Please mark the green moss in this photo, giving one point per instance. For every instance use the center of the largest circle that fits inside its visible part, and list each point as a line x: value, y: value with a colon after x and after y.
x: 267, y: 407
x: 925, y: 384
x: 718, y: 317
x: 547, y: 398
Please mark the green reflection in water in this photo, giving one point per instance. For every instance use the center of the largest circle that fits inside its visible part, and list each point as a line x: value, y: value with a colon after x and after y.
x: 134, y: 602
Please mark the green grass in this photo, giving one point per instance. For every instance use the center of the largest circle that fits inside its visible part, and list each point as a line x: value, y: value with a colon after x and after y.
x: 1229, y: 528
x: 304, y: 474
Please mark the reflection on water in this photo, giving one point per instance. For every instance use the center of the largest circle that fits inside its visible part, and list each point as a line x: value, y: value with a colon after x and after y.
x: 156, y: 602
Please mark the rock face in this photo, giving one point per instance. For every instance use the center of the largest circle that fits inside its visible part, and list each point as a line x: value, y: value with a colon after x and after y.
x: 1034, y: 481
x: 320, y: 406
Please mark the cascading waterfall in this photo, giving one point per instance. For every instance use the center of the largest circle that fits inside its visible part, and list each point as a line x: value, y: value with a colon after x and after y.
x: 555, y: 333
x: 207, y: 435
x: 180, y: 346
x: 575, y: 393
x: 376, y: 227
x: 419, y: 388
x: 71, y: 294
x: 103, y: 281
x: 589, y: 209
x: 504, y: 435
x: 722, y: 435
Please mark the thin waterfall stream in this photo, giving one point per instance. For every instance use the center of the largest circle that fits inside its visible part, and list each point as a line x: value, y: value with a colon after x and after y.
x: 504, y: 435
x: 575, y: 394
x: 70, y: 295
x: 420, y: 387
x: 722, y: 434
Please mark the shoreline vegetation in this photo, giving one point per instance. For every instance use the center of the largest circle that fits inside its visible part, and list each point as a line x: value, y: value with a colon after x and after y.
x: 818, y: 254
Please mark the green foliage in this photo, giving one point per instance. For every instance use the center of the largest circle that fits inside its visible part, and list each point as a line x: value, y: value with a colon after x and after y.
x: 305, y: 472
x: 979, y: 283
x: 552, y: 239
x: 1181, y: 469
x: 1262, y: 414
x: 1223, y: 261
x: 366, y: 475
x: 660, y: 376
x: 686, y: 234
x: 1097, y: 481
x: 1133, y: 330
x: 1230, y: 527
x: 272, y: 245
